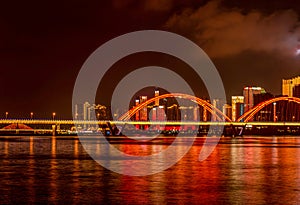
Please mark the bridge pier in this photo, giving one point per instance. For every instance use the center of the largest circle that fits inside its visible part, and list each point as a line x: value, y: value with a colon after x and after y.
x: 234, y: 130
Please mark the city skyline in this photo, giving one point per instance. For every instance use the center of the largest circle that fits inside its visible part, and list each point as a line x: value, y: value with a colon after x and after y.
x: 42, y: 53
x: 287, y: 89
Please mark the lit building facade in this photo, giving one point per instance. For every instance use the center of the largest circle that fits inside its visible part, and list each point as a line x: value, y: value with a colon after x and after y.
x: 137, y: 114
x: 237, y: 104
x: 154, y: 111
x: 76, y: 112
x: 248, y: 94
x: 156, y: 94
x: 86, y: 111
x: 144, y: 111
x: 289, y: 84
x: 160, y: 113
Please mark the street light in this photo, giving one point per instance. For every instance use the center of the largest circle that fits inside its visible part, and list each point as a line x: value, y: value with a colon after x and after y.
x: 6, y: 114
x: 31, y: 115
x: 53, y: 115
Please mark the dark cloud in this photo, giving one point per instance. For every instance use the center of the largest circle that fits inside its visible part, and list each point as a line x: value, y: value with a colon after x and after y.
x: 225, y: 32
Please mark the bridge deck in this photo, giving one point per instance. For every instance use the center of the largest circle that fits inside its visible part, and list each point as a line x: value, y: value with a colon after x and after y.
x: 84, y: 122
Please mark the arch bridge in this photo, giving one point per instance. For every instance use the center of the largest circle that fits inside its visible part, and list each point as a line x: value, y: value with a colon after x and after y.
x: 219, y: 115
x: 287, y: 107
x: 286, y: 113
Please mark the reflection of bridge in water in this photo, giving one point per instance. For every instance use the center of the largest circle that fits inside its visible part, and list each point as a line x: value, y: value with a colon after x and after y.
x: 274, y: 116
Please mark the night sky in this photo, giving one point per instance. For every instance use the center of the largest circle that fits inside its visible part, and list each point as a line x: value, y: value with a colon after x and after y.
x: 43, y: 44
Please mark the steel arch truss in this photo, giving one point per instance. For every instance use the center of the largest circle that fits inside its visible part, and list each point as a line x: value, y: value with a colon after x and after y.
x: 250, y: 113
x: 220, y: 116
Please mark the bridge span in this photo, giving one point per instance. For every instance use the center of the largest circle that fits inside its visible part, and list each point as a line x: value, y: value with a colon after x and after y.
x: 167, y: 123
x: 54, y: 127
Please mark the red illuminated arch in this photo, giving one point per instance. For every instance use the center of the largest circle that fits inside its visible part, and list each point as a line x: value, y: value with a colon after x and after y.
x: 213, y: 110
x: 250, y: 113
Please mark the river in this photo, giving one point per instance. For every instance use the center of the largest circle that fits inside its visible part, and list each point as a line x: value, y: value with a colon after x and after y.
x: 244, y: 170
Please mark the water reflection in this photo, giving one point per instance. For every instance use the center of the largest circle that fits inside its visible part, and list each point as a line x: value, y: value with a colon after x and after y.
x: 76, y: 172
x: 53, y: 172
x: 243, y: 170
x: 31, y: 170
x: 6, y: 148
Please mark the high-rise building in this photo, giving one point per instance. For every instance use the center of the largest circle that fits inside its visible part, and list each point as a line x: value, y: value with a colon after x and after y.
x: 261, y: 97
x: 154, y: 112
x: 156, y: 94
x: 78, y: 111
x: 217, y: 103
x: 173, y: 112
x: 86, y: 111
x: 249, y: 93
x: 76, y: 114
x: 160, y: 113
x: 289, y: 84
x: 227, y: 110
x: 296, y: 91
x: 143, y: 111
x: 137, y: 114
x: 196, y: 113
x: 237, y: 103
